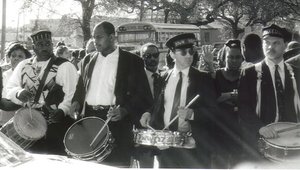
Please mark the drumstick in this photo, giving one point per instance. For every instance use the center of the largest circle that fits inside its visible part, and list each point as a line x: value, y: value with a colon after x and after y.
x: 289, y: 128
x: 150, y: 127
x: 30, y: 112
x: 188, y: 105
x: 105, y: 124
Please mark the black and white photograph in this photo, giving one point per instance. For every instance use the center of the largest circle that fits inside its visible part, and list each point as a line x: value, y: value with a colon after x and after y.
x: 150, y: 84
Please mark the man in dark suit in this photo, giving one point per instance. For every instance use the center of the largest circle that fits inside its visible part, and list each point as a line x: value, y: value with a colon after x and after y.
x: 110, y: 86
x: 181, y: 85
x: 267, y: 91
x: 150, y: 54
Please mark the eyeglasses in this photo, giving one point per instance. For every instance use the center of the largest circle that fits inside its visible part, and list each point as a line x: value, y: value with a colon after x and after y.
x: 184, y: 51
x: 149, y: 55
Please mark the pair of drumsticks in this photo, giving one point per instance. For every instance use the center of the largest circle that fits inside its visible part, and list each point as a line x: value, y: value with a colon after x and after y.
x: 176, y: 117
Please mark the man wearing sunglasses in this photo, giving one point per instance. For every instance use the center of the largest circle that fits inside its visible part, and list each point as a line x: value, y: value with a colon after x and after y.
x: 150, y: 54
x: 181, y: 84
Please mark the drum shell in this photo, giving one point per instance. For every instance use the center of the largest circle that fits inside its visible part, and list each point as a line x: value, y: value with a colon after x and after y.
x: 20, y: 133
x: 159, y: 138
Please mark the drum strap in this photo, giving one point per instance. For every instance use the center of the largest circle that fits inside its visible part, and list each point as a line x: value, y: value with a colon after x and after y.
x: 42, y: 82
x: 258, y: 69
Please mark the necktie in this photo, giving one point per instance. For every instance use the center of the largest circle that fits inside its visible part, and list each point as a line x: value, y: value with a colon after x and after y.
x: 176, y: 102
x: 279, y: 92
x: 155, y: 84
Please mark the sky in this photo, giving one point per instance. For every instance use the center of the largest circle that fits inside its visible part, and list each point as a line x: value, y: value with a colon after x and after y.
x: 13, y: 11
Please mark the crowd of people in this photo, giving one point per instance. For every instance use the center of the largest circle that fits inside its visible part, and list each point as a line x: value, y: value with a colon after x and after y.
x: 224, y: 104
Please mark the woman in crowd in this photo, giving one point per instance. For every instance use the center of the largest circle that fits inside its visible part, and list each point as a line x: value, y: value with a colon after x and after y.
x: 226, y: 81
x: 15, y: 52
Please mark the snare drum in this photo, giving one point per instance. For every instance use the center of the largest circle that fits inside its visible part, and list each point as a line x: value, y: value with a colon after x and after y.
x: 80, y: 135
x: 160, y: 138
x: 26, y: 127
x: 285, y: 148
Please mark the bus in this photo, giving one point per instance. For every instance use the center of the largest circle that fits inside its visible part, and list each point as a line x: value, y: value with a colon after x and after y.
x: 131, y: 36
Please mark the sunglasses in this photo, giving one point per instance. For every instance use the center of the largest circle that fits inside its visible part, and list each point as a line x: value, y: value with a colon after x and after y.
x: 184, y: 51
x: 149, y: 55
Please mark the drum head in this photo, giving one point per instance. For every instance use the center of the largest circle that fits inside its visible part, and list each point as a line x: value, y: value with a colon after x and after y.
x: 81, y: 134
x: 287, y: 139
x: 30, y: 124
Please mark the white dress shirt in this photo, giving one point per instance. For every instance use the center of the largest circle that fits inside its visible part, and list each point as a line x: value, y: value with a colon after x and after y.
x: 170, y: 93
x: 271, y: 66
x: 102, y: 85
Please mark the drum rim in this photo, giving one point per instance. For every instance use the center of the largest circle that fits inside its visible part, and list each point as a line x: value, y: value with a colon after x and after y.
x: 88, y: 153
x: 280, y: 146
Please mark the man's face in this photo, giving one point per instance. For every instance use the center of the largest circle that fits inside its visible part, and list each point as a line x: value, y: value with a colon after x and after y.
x: 103, y: 42
x: 183, y: 57
x: 150, y: 55
x: 43, y: 48
x: 273, y: 47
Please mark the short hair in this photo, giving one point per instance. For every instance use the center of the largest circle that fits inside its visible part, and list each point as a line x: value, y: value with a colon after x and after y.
x: 17, y: 46
x: 147, y: 45
x: 60, y: 50
x: 108, y: 27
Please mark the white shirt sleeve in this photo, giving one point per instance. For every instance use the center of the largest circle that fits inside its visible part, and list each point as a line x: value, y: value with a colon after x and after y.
x: 14, y: 84
x: 67, y: 77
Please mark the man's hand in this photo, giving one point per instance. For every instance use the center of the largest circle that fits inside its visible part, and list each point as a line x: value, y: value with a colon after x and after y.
x: 116, y: 113
x: 74, y: 110
x: 145, y: 119
x: 268, y: 132
x: 185, y: 114
x: 56, y: 116
x: 25, y: 96
x: 207, y: 51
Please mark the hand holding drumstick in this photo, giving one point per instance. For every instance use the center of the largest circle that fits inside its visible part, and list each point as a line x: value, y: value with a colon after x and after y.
x: 110, y: 114
x: 188, y: 105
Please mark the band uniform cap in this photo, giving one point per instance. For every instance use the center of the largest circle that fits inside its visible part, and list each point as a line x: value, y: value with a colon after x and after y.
x: 232, y: 43
x: 186, y: 40
x: 276, y: 31
x: 44, y: 34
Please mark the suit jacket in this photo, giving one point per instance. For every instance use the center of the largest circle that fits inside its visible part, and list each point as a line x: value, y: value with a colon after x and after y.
x: 129, y: 85
x: 205, y: 108
x: 146, y: 97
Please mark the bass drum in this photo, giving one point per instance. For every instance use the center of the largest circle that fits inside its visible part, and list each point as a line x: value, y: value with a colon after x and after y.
x: 26, y: 127
x: 285, y: 148
x: 80, y: 135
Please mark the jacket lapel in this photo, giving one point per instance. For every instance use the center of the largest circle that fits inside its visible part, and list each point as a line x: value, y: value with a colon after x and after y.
x: 89, y: 70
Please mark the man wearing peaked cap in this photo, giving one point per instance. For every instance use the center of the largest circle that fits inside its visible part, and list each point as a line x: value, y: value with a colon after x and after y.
x: 181, y: 85
x: 267, y: 91
x: 46, y: 83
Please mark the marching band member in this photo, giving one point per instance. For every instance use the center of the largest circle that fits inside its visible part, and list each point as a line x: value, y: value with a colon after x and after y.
x: 111, y: 77
x: 46, y: 83
x: 181, y: 85
x: 268, y: 91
